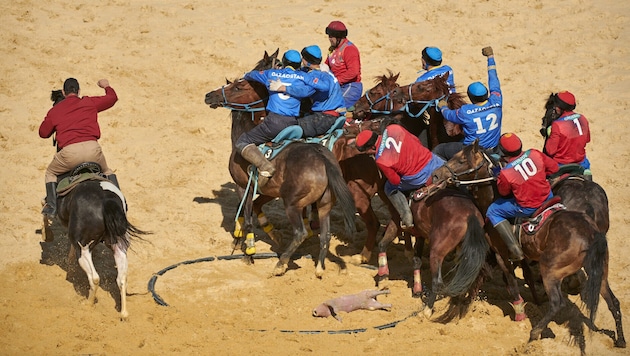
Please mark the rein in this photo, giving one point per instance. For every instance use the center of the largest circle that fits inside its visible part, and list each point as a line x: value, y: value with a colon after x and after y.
x: 248, y: 107
x: 455, y: 175
x: 426, y: 104
x: 389, y: 104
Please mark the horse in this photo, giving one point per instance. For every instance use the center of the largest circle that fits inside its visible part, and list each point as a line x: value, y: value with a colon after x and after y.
x: 94, y: 211
x: 567, y: 241
x: 359, y: 170
x: 421, y: 98
x: 306, y: 174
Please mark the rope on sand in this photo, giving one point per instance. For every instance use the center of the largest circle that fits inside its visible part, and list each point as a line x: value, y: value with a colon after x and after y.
x: 160, y: 301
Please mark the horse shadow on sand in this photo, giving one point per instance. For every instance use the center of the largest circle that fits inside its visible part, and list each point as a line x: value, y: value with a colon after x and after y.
x: 56, y: 253
x: 227, y: 198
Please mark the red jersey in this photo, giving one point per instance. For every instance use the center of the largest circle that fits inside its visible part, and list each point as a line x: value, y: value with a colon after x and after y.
x: 526, y: 177
x: 345, y: 62
x: 400, y: 153
x: 568, y: 138
x: 75, y: 119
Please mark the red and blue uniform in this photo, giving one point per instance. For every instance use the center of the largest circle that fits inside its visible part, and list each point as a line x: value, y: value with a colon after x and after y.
x: 566, y: 143
x: 525, y: 179
x: 404, y: 161
x: 344, y: 62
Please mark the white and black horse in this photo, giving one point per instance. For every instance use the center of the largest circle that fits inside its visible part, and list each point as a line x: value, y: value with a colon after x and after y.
x: 94, y: 211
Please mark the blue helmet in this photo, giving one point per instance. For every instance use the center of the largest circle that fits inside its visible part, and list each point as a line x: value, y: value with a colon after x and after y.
x: 291, y: 58
x: 432, y: 55
x: 312, y: 54
x: 477, y: 92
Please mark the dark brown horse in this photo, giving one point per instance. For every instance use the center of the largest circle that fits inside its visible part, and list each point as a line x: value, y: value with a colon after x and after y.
x: 359, y: 170
x: 568, y: 241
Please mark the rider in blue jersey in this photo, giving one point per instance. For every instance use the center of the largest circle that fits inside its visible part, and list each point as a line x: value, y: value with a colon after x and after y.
x: 481, y: 119
x: 432, y: 63
x: 282, y: 111
x: 327, y: 101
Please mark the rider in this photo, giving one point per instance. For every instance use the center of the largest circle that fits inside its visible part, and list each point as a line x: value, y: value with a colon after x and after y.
x: 75, y: 121
x: 404, y: 161
x: 282, y: 111
x: 326, y: 98
x: 568, y: 135
x: 524, y: 188
x: 344, y: 62
x: 481, y: 119
x: 432, y: 63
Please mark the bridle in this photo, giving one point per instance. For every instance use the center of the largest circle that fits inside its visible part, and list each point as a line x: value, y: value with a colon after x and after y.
x: 486, y: 161
x: 424, y: 103
x: 389, y: 104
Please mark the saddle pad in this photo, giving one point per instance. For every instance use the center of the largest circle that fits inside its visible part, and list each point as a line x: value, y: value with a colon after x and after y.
x: 534, y: 224
x: 66, y: 185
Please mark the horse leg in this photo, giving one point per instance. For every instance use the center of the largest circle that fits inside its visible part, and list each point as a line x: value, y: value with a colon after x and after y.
x: 306, y: 222
x: 263, y: 222
x: 554, y: 292
x: 417, y: 265
x: 299, y: 235
x: 615, y: 310
x: 371, y: 225
x: 324, y: 245
x: 383, y: 268
x: 435, y: 263
x: 313, y: 219
x: 86, y: 263
x: 120, y: 256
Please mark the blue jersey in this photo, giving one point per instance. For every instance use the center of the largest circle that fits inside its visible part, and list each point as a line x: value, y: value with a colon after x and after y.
x: 283, y: 103
x: 437, y: 71
x: 481, y: 120
x: 327, y: 94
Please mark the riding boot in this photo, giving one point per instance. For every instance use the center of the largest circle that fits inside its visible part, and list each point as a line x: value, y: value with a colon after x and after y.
x: 504, y: 228
x: 50, y: 208
x: 399, y: 200
x: 112, y: 178
x: 255, y: 157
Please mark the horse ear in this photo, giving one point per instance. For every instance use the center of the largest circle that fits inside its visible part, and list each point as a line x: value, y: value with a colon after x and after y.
x: 227, y: 81
x: 396, y: 77
x: 275, y: 54
x: 476, y: 145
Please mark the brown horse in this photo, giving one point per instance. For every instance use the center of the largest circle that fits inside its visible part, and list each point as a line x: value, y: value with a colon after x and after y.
x: 568, y: 241
x: 422, y: 97
x: 359, y: 170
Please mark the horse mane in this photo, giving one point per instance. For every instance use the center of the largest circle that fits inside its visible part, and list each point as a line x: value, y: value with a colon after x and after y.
x: 385, y: 79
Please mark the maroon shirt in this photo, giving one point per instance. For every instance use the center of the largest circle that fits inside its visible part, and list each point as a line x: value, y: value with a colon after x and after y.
x: 75, y: 119
x: 526, y: 177
x: 569, y: 135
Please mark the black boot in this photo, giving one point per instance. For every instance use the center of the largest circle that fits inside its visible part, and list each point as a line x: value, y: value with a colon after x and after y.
x: 255, y: 157
x: 504, y: 228
x: 399, y: 200
x: 112, y: 178
x: 50, y: 208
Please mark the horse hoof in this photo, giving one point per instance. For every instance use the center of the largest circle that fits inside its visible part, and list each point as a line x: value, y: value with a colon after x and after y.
x: 279, y: 270
x: 357, y: 260
x: 319, y: 272
x: 427, y: 312
x: 620, y: 343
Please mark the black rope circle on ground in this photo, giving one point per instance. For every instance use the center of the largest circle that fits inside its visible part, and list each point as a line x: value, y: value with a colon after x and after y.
x: 160, y: 301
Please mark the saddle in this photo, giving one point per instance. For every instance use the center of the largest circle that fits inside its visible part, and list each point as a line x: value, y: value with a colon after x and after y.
x: 540, y: 216
x: 81, y: 173
x: 428, y: 191
x: 294, y: 133
x: 568, y: 171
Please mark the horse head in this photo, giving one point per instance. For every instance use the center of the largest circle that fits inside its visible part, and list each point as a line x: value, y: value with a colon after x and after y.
x: 56, y: 96
x: 550, y: 114
x: 377, y: 99
x: 243, y: 95
x: 470, y: 164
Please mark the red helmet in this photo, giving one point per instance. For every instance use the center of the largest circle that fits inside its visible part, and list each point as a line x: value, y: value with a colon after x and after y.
x: 510, y: 144
x: 566, y: 100
x: 337, y: 29
x: 365, y: 140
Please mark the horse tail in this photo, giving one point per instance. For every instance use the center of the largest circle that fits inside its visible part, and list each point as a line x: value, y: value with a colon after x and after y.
x: 117, y: 228
x: 595, y: 265
x: 471, y: 259
x: 339, y: 187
